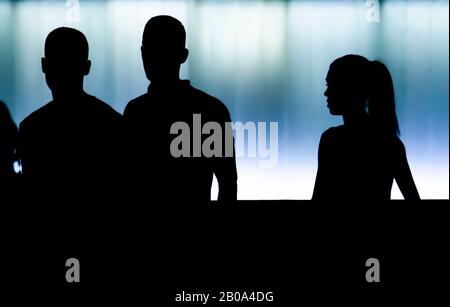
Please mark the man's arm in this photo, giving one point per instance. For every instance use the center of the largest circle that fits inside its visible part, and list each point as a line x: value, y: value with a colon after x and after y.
x: 225, y: 166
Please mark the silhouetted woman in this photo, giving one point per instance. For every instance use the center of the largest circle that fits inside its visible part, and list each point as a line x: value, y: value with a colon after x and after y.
x: 8, y: 142
x: 361, y: 158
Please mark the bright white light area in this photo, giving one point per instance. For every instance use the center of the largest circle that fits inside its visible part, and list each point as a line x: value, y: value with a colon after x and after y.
x: 291, y: 181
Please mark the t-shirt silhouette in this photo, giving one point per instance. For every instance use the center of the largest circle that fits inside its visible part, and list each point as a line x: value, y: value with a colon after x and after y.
x: 159, y: 174
x: 71, y: 148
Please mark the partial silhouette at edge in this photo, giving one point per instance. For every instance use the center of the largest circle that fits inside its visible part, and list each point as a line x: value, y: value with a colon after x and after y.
x: 8, y: 144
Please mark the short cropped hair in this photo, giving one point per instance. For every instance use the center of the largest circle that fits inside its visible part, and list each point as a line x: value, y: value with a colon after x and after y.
x: 66, y: 42
x: 165, y: 28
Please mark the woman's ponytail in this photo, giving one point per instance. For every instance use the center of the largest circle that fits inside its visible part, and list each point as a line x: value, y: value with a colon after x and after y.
x: 381, y: 99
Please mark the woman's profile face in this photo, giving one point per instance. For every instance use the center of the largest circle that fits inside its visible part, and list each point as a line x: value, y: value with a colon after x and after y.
x: 335, y: 93
x: 345, y: 87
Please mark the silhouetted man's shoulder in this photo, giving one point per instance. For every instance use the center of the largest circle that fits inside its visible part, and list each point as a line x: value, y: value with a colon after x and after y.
x: 88, y: 104
x: 210, y: 104
x: 136, y: 104
x: 189, y: 99
x: 101, y: 108
x: 37, y: 117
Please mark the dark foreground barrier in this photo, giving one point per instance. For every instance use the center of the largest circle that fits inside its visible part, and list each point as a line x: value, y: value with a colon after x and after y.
x: 275, y: 253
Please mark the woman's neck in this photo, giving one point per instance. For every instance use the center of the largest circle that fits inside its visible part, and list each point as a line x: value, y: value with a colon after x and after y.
x: 355, y: 118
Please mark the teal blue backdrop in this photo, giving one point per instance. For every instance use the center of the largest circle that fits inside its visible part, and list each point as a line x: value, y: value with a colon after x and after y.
x: 266, y: 60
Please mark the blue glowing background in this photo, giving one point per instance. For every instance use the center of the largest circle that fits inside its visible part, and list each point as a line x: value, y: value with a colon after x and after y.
x: 267, y: 60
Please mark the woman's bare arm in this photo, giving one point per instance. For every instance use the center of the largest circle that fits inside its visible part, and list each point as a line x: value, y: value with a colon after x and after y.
x: 403, y: 175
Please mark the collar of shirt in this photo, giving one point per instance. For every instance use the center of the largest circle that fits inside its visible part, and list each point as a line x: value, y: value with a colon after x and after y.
x: 169, y: 88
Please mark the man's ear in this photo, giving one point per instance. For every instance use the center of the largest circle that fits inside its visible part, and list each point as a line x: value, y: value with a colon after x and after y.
x: 184, y: 55
x: 87, y: 68
x: 44, y: 65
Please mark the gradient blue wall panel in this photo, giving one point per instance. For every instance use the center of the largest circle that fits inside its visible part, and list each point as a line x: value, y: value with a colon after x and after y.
x: 266, y: 60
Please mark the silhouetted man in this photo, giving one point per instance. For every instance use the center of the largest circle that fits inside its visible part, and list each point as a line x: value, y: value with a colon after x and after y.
x: 69, y: 147
x: 151, y: 117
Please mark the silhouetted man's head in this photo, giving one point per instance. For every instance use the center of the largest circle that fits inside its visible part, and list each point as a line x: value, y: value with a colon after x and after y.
x: 347, y: 84
x: 66, y: 60
x: 163, y: 49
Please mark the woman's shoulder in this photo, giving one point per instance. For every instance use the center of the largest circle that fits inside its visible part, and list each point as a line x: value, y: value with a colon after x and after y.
x: 332, y: 134
x: 333, y: 131
x: 398, y: 145
x: 392, y: 144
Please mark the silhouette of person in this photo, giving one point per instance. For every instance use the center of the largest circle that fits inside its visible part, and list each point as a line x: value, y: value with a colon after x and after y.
x: 8, y: 144
x: 70, y: 146
x: 149, y: 119
x: 361, y: 158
